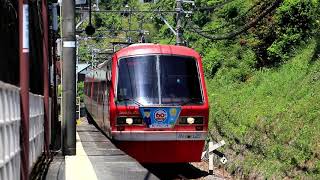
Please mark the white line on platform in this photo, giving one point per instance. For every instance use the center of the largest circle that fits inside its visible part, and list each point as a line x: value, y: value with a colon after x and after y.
x: 79, y: 167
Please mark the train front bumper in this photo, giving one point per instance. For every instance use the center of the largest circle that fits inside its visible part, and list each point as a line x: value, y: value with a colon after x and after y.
x: 159, y: 135
x: 162, y: 146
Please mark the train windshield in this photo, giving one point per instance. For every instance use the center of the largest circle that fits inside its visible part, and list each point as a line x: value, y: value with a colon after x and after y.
x: 162, y: 79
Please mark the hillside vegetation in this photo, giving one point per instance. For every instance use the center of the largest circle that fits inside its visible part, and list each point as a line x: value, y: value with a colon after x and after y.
x: 271, y: 121
x: 263, y: 83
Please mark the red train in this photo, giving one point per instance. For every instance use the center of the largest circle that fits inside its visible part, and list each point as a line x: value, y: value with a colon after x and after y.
x: 151, y: 100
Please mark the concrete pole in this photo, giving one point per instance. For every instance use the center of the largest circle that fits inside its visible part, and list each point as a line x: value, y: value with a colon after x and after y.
x: 24, y: 85
x: 69, y: 77
x: 54, y: 120
x: 179, y: 23
x: 129, y: 39
x: 97, y: 2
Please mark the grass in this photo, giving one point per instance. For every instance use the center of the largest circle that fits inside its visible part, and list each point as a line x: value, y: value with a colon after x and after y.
x: 271, y: 122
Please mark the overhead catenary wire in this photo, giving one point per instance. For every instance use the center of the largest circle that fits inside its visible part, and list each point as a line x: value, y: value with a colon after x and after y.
x: 157, y: 11
x: 234, y: 19
x: 232, y: 34
x: 191, y: 27
x: 212, y: 8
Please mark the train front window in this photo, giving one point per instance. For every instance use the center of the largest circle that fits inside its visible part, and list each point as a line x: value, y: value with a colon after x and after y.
x: 163, y: 79
x: 138, y: 80
x: 179, y: 80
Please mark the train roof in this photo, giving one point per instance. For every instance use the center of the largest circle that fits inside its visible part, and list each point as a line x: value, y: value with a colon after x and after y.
x: 142, y: 49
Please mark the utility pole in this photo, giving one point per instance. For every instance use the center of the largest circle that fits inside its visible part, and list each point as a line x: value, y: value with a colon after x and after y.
x: 97, y: 5
x: 69, y: 77
x: 179, y: 22
x: 129, y: 39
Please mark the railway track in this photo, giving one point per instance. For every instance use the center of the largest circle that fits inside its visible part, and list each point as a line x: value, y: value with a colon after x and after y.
x: 183, y: 171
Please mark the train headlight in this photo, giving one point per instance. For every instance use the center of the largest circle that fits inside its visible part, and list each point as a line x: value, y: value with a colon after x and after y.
x: 129, y: 121
x: 190, y: 120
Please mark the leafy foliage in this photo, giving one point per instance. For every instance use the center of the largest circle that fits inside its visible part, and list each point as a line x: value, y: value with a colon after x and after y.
x: 271, y: 120
x: 80, y: 91
x: 275, y: 37
x: 294, y: 24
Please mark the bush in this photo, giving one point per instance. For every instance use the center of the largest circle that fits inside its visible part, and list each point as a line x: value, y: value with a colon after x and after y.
x: 80, y: 91
x: 292, y: 24
x: 212, y: 61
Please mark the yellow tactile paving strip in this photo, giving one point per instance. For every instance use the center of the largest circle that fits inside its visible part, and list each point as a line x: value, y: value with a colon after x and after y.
x: 79, y: 167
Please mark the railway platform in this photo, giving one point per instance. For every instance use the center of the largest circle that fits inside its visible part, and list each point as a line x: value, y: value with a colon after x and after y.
x: 96, y: 159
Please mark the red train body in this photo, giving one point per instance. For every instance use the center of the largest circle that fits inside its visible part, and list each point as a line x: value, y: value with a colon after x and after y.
x: 151, y: 100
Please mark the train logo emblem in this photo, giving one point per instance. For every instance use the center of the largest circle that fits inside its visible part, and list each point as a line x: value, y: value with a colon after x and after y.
x: 173, y: 112
x: 160, y: 115
x: 147, y: 113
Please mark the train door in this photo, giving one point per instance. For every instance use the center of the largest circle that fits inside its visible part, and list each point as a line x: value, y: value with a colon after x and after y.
x: 88, y: 96
x: 96, y: 98
x: 106, y: 105
x: 99, y: 104
x: 91, y: 97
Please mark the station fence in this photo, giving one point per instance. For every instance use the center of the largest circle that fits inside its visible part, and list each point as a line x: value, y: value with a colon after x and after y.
x: 10, y: 131
x: 36, y: 128
x: 10, y: 121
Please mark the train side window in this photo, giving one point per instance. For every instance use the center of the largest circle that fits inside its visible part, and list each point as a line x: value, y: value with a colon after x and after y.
x: 85, y: 89
x: 89, y: 84
x: 106, y: 95
x: 108, y: 75
x: 98, y: 87
x: 95, y: 91
x: 94, y: 86
x: 101, y: 91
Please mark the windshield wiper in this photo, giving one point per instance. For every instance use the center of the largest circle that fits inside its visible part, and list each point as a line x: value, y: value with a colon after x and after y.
x: 130, y: 99
x: 191, y: 100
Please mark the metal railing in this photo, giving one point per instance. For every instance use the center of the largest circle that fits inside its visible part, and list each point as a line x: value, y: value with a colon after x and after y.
x: 78, y: 106
x: 9, y: 132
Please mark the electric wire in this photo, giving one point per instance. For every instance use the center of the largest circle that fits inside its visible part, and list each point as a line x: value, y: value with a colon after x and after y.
x: 232, y: 34
x: 234, y: 19
x: 217, y: 5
